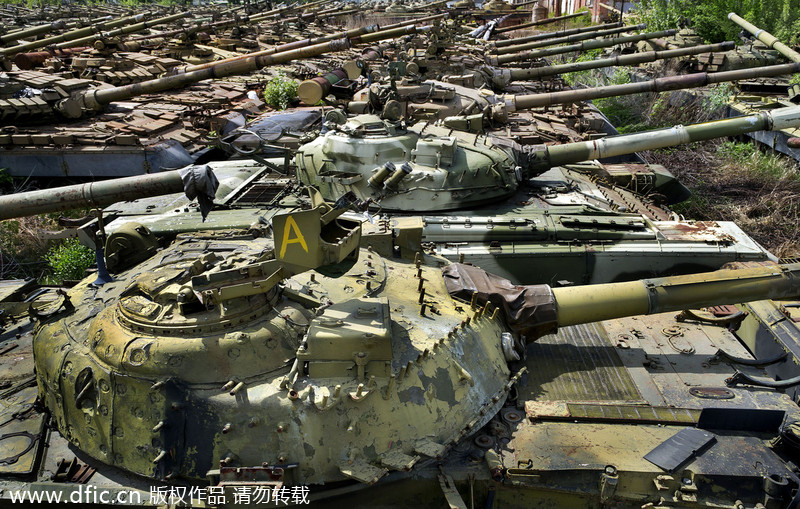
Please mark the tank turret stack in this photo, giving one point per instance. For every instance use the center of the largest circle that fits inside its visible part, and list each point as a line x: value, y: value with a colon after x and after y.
x: 501, y: 78
x: 553, y: 35
x: 532, y: 24
x: 506, y: 57
x: 361, y: 35
x: 72, y: 35
x: 31, y: 32
x: 124, y: 30
x: 657, y: 85
x: 527, y: 44
x: 451, y: 102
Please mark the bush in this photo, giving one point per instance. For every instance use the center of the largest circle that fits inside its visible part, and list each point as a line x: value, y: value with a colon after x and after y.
x: 280, y: 91
x: 709, y: 18
x: 69, y: 261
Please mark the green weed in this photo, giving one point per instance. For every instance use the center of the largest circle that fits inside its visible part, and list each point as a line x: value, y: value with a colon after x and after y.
x: 280, y: 91
x: 68, y: 261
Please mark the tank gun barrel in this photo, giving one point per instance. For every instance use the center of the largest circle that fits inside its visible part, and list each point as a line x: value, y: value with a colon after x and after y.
x: 190, y: 30
x: 540, y: 22
x: 770, y: 40
x: 431, y: 5
x: 581, y: 47
x: 93, y: 194
x: 321, y: 15
x: 537, y: 310
x: 355, y: 35
x: 424, y: 19
x: 31, y: 32
x: 283, y: 10
x: 550, y: 35
x: 129, y: 29
x: 585, y: 304
x: 566, y: 39
x: 503, y: 77
x: 557, y: 155
x: 657, y: 85
x: 612, y: 9
x: 523, y: 4
x: 80, y: 24
x: 72, y: 35
x: 27, y: 61
x: 311, y: 91
x: 96, y: 98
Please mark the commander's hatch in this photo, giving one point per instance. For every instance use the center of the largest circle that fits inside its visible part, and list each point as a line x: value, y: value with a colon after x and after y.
x: 350, y: 339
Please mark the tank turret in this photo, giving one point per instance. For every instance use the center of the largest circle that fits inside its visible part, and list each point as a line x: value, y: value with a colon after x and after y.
x: 428, y: 168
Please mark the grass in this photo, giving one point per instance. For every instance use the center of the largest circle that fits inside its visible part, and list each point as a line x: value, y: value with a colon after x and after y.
x: 23, y: 242
x: 68, y: 261
x: 22, y: 247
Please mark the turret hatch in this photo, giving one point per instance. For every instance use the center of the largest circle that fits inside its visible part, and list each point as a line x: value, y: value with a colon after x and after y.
x: 350, y: 339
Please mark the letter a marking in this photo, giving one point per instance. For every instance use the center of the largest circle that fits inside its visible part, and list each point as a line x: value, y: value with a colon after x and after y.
x: 291, y: 225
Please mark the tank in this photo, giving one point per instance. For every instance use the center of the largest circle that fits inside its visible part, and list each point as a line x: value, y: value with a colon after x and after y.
x: 501, y: 6
x: 428, y: 168
x: 284, y: 356
x: 95, y: 99
x: 767, y: 94
x: 770, y: 40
